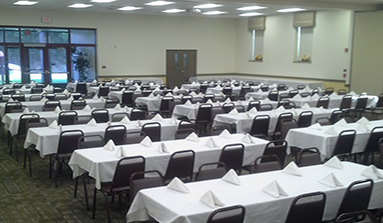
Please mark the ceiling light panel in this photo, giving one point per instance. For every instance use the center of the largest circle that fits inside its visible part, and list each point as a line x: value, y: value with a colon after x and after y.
x: 129, y: 8
x: 214, y: 13
x: 102, y: 1
x: 80, y: 6
x: 291, y: 10
x: 174, y: 10
x: 25, y: 3
x: 250, y: 14
x: 207, y: 6
x: 159, y: 3
x: 248, y: 8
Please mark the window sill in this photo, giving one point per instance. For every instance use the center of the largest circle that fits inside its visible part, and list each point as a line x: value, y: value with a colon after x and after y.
x: 299, y: 61
x: 255, y: 60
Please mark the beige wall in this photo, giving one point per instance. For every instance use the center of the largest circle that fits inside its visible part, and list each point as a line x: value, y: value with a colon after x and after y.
x: 367, y: 65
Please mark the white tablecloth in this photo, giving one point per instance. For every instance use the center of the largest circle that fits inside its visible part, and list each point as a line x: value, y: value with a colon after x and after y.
x: 335, y: 101
x: 65, y: 104
x: 46, y: 139
x: 169, y: 206
x: 307, y: 137
x: 101, y: 163
x: 243, y: 122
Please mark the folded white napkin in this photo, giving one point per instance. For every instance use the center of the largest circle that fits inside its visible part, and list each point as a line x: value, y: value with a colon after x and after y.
x: 305, y: 106
x: 228, y: 100
x: 362, y: 128
x: 267, y: 100
x: 211, y: 143
x: 293, y: 169
x: 65, y: 91
x: 69, y: 99
x: 162, y: 148
x: 273, y: 85
x: 352, y: 93
x: 57, y: 109
x: 42, y: 99
x: 174, y: 120
x: 217, y: 103
x: 139, y: 124
x: 211, y: 200
x: 341, y: 122
x: 225, y: 134
x: 307, y: 89
x: 200, y: 94
x: 157, y: 117
x: 274, y: 189
x: 372, y: 172
x: 117, y: 107
x: 109, y: 145
x: 192, y: 137
x: 177, y: 185
x: 231, y: 177
x: 273, y: 113
x: 53, y: 125
x: 26, y: 111
x: 87, y: 108
x: 119, y: 152
x: 297, y: 96
x: 169, y: 94
x: 334, y: 162
x: 331, y: 181
x: 333, y: 95
x: 193, y: 93
x: 180, y: 95
x: 151, y: 95
x: 76, y: 81
x: 292, y: 110
x: 315, y: 96
x: 92, y: 122
x: 249, y: 115
x: 316, y: 126
x: 102, y: 99
x: 331, y: 131
x: 10, y: 100
x: 209, y: 101
x: 251, y: 99
x: 146, y: 142
x: 234, y: 111
x: 125, y: 120
x: 95, y: 97
x: 158, y: 96
x: 363, y: 120
x: 247, y: 138
x: 253, y: 111
x: 128, y: 110
x: 188, y: 102
x: 280, y: 109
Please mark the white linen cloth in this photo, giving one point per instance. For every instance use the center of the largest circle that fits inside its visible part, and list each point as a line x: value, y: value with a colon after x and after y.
x: 231, y: 177
x: 225, y: 134
x: 331, y: 180
x: 274, y: 189
x: 92, y: 122
x: 334, y: 162
x: 372, y: 172
x: 109, y: 145
x: 192, y: 137
x: 211, y: 143
x: 292, y: 169
x: 177, y: 185
x: 162, y: 148
x: 53, y: 125
x: 147, y: 142
x: 211, y: 200
x: 157, y: 117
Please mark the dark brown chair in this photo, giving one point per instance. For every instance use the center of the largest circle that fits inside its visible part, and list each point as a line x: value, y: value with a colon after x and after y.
x: 254, y: 104
x: 77, y: 105
x: 232, y: 214
x: 277, y: 131
x: 141, y: 180
x: 372, y: 146
x: 134, y: 137
x: 67, y: 117
x: 307, y: 208
x: 260, y: 126
x: 118, y: 116
x: 308, y: 157
x: 305, y: 119
x: 100, y: 115
x: 277, y: 148
x: 115, y: 133
x: 272, y: 163
x: 153, y: 130
x: 181, y: 165
x: 356, y: 217
x: 210, y: 171
x: 344, y: 144
x: 51, y: 105
x: 323, y: 102
x: 232, y: 156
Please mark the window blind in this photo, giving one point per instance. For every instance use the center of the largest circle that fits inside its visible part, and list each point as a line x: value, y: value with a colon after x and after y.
x: 304, y: 19
x: 257, y: 23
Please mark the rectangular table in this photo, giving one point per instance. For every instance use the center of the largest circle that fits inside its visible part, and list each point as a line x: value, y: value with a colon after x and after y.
x: 46, y: 139
x: 243, y: 122
x: 100, y: 163
x: 169, y: 206
x: 308, y: 137
x: 335, y: 101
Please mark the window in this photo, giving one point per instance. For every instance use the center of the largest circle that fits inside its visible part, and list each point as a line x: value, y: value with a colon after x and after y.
x: 82, y: 36
x: 257, y: 45
x: 33, y: 35
x: 12, y: 35
x: 304, y: 44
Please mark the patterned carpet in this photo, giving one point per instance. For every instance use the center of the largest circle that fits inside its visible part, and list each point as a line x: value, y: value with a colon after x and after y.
x: 35, y: 199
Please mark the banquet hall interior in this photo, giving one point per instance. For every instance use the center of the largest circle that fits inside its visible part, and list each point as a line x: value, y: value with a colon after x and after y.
x: 255, y: 103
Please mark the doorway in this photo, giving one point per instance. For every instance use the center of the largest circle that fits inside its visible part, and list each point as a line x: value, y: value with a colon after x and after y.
x: 180, y: 66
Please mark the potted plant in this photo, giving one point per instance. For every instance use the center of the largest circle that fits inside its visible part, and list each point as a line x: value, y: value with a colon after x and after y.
x: 81, y: 63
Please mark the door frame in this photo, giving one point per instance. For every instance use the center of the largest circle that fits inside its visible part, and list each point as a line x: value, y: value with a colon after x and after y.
x: 181, y: 50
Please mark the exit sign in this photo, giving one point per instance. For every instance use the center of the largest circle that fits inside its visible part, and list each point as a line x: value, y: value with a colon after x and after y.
x: 46, y: 19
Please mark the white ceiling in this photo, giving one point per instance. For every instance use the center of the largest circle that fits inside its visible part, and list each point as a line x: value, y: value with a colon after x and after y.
x: 229, y: 6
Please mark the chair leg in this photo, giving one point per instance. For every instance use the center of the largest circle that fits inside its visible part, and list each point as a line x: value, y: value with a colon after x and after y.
x: 25, y: 158
x: 16, y: 151
x: 30, y: 164
x: 55, y: 167
x: 94, y: 203
x: 86, y: 194
x: 107, y: 207
x: 75, y: 187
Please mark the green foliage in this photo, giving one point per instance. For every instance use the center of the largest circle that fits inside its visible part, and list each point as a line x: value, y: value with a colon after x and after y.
x: 81, y: 63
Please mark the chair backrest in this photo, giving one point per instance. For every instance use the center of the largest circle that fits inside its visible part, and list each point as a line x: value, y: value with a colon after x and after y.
x: 273, y: 95
x: 254, y: 104
x: 355, y: 217
x: 12, y: 107
x: 67, y: 117
x: 267, y: 163
x: 103, y: 91
x: 137, y: 114
x: 265, y: 107
x: 115, y: 133
x: 127, y: 98
x: 23, y: 120
x: 344, y: 143
x: 82, y: 119
x: 305, y: 94
x: 18, y: 97
x: 204, y: 112
x: 379, y: 104
x: 301, y: 87
x: 165, y: 103
x: 281, y: 117
x: 361, y: 103
x: 336, y: 115
x: 281, y: 87
x: 210, y: 171
x: 277, y: 148
x: 284, y: 96
x: 100, y: 115
x: 90, y: 141
x: 373, y: 140
x: 308, y: 157
x: 307, y: 208
x: 153, y: 130
x: 323, y: 102
x: 208, y: 96
x: 323, y: 121
x: 227, y: 107
x: 315, y: 91
x: 35, y: 97
x: 357, y: 196
x: 41, y: 122
x: 329, y: 90
x: 139, y: 181
x: 51, y: 105
x: 292, y: 93
x: 305, y: 119
x: 125, y: 168
x: 186, y: 98
x: 227, y: 91
x: 184, y: 132
x: 68, y: 141
x: 260, y: 126
x: 346, y: 102
x: 111, y: 103
x: 81, y: 87
x: 232, y: 156
x: 181, y: 165
x: 342, y: 92
x: 58, y: 96
x: 77, y: 104
x: 232, y: 214
x: 286, y: 125
x: 264, y: 87
x: 118, y: 116
x: 134, y: 137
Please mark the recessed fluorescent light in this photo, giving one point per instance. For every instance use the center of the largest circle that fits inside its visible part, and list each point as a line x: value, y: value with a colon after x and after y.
x: 79, y: 6
x: 159, y: 3
x: 129, y: 8
x: 102, y: 1
x: 247, y: 8
x: 214, y: 13
x: 291, y: 10
x: 207, y: 6
x: 174, y: 10
x: 251, y: 14
x: 25, y: 3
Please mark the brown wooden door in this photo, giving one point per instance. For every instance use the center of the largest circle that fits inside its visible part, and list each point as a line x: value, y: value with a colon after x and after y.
x: 180, y: 66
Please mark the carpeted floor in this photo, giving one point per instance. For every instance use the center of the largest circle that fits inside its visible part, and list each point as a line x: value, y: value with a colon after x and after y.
x: 35, y: 199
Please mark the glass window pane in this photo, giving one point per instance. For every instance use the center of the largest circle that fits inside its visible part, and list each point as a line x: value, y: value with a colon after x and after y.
x: 36, y: 61
x: 176, y: 61
x: 1, y: 36
x: 2, y: 65
x: 58, y: 36
x: 82, y: 36
x: 83, y: 63
x: 14, y: 65
x: 57, y: 60
x: 33, y: 35
x: 38, y: 78
x: 185, y: 61
x: 12, y: 35
x: 59, y: 78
